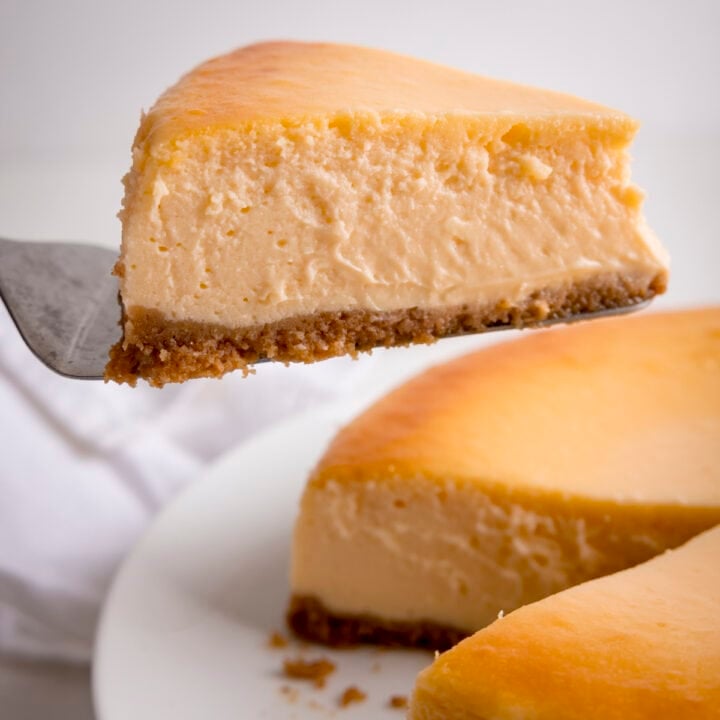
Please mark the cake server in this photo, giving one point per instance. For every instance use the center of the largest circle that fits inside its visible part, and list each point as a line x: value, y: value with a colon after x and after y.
x: 64, y: 302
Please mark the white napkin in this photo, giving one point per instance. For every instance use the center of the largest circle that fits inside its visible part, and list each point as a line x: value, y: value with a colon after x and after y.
x: 84, y: 466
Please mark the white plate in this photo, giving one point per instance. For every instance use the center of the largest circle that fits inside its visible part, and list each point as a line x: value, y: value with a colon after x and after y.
x: 184, y: 631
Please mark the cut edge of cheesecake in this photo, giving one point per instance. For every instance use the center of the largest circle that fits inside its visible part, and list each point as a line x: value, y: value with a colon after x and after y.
x: 635, y: 535
x: 254, y: 161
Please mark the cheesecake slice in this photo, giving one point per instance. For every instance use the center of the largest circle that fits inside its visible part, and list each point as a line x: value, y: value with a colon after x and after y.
x: 507, y: 475
x: 643, y: 644
x: 299, y: 201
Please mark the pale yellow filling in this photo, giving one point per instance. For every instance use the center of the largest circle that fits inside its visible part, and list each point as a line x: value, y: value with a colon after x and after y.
x: 456, y: 553
x: 271, y: 221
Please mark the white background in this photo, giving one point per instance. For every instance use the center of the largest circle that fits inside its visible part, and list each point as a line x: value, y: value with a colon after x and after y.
x: 75, y: 74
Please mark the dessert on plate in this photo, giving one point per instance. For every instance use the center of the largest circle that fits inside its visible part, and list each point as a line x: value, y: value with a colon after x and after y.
x: 510, y: 474
x: 642, y: 644
x: 297, y: 201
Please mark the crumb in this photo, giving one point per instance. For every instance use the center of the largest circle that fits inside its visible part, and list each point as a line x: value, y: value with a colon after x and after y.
x: 501, y: 615
x: 352, y: 695
x: 290, y: 693
x: 277, y: 640
x: 437, y: 654
x: 398, y: 702
x: 376, y: 667
x: 315, y: 670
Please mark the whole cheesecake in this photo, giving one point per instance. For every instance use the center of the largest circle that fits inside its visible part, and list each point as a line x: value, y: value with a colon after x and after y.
x: 297, y: 201
x: 510, y: 474
x: 643, y: 644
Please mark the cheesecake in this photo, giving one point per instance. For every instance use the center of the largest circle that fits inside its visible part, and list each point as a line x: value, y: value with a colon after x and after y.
x: 642, y: 644
x: 296, y: 201
x: 508, y: 475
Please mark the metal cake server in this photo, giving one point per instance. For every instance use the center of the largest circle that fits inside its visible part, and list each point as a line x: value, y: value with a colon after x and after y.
x: 64, y: 301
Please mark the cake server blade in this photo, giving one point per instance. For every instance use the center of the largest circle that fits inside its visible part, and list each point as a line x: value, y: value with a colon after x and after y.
x: 64, y: 301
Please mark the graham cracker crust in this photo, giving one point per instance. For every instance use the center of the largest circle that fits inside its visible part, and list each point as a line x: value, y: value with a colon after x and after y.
x: 160, y: 350
x: 311, y: 620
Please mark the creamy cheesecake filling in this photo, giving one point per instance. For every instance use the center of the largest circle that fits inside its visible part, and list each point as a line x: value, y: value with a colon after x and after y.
x: 419, y: 549
x: 241, y: 228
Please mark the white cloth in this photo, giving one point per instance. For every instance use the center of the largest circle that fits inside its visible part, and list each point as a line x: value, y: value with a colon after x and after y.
x: 84, y: 466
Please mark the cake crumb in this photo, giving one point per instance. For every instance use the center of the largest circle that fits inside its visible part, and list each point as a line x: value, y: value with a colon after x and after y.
x: 501, y: 615
x: 352, y: 695
x: 398, y: 702
x: 376, y: 667
x: 277, y: 640
x: 314, y: 670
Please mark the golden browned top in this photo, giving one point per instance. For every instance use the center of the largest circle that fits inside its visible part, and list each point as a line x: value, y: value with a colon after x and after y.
x: 643, y: 643
x: 623, y: 409
x: 295, y: 81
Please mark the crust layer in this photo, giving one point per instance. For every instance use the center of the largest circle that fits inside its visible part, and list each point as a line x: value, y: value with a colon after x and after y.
x: 161, y: 350
x: 311, y: 620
